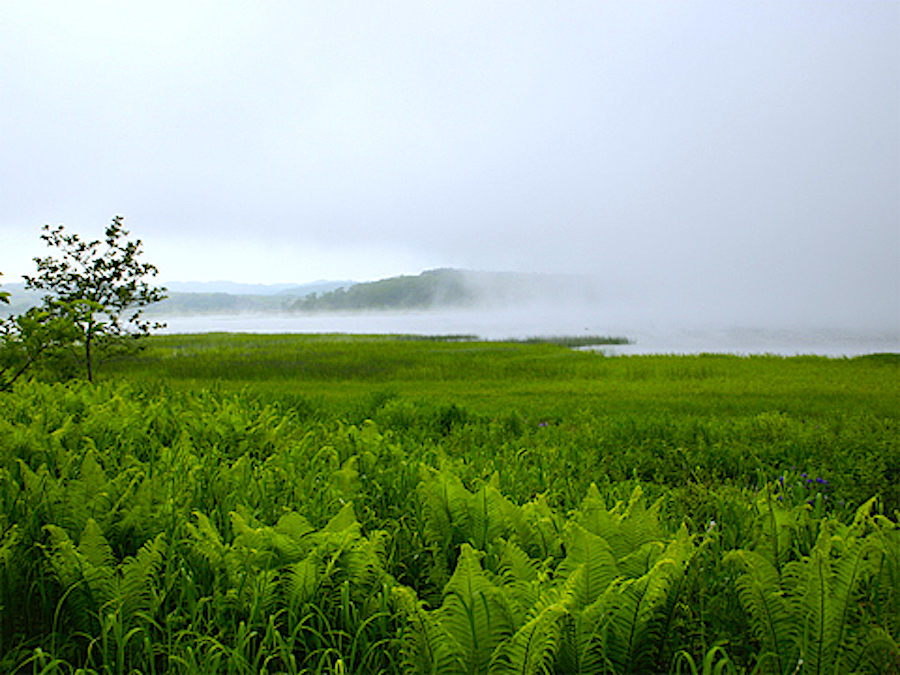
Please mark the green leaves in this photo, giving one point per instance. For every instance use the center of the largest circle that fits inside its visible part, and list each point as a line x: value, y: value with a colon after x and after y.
x: 30, y: 338
x: 99, y: 291
x: 153, y: 526
x: 96, y: 584
x: 474, y: 620
x: 809, y: 612
x: 597, y: 608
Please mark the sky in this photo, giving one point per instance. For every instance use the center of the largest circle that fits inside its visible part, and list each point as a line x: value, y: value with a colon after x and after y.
x: 725, y: 158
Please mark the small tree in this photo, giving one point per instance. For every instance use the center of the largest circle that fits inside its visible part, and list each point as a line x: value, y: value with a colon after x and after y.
x: 27, y: 338
x: 99, y: 291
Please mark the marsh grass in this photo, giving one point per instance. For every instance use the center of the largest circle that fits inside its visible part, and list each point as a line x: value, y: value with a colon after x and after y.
x: 244, y: 504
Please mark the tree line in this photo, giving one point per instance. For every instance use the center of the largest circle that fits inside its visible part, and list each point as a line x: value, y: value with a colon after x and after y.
x: 429, y: 289
x: 94, y: 292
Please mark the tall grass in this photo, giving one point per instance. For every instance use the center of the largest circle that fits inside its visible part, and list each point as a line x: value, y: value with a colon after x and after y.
x: 292, y: 504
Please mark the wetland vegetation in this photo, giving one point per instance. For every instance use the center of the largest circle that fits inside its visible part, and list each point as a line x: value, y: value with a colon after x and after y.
x: 229, y: 503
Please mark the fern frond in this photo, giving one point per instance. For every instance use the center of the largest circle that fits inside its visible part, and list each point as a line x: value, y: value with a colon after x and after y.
x: 446, y: 511
x: 521, y: 578
x: 776, y: 528
x: 92, y: 585
x: 772, y: 614
x: 487, y: 514
x: 137, y: 588
x: 94, y: 547
x: 625, y: 528
x: 63, y: 556
x: 594, y: 558
x: 533, y: 648
x: 344, y: 522
x: 641, y: 560
x: 876, y: 651
x: 581, y: 650
x: 474, y: 612
x: 834, y: 572
x: 640, y: 609
x: 206, y: 540
x: 426, y: 646
x: 256, y: 545
x: 302, y: 580
x: 543, y: 535
x: 293, y: 525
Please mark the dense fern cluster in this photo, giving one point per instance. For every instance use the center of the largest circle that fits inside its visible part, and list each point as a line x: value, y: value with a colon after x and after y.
x: 154, y: 530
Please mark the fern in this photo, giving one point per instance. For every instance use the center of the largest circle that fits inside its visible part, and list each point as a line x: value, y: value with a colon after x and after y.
x: 474, y: 612
x: 590, y: 556
x: 205, y: 543
x: 446, y: 509
x: 776, y: 528
x: 488, y: 509
x: 93, y: 546
x: 582, y: 636
x: 89, y: 495
x: 533, y: 648
x: 830, y: 579
x: 426, y: 646
x: 302, y: 580
x: 640, y: 609
x: 454, y: 516
x: 625, y: 528
x: 470, y: 629
x: 522, y: 578
x: 538, y: 528
x: 86, y: 587
x: 772, y: 613
x: 137, y: 593
x: 97, y: 585
x: 340, y: 564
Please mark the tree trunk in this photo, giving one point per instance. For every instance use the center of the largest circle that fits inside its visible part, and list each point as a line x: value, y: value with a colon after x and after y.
x: 87, y: 356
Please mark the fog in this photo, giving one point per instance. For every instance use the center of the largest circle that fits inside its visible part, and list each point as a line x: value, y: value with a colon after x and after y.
x: 542, y: 320
x: 710, y: 166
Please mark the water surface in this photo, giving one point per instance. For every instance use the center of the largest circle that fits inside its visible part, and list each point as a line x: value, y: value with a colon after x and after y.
x: 647, y: 336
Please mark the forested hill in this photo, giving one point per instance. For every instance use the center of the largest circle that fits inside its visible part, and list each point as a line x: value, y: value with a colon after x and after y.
x: 439, y: 288
x: 434, y: 288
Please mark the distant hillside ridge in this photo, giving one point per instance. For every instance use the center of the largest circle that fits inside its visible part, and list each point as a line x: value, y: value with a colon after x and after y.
x: 449, y: 288
x: 432, y: 288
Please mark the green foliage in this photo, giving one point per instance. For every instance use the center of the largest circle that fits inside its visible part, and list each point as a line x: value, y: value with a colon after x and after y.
x: 99, y: 291
x: 807, y: 615
x: 431, y: 288
x: 332, y: 521
x: 35, y: 338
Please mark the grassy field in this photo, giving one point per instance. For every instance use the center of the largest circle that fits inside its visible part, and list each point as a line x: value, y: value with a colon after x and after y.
x: 328, y: 503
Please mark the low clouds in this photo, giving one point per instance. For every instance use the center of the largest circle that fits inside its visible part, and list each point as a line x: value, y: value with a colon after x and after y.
x: 738, y: 157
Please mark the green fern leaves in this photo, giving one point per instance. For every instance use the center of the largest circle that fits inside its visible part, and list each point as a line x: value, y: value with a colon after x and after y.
x: 807, y: 617
x: 591, y: 610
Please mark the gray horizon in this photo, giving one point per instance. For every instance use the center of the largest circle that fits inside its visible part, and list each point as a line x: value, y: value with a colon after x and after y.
x: 728, y: 163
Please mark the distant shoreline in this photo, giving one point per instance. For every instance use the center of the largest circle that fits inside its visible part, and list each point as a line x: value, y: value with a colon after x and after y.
x: 518, y: 324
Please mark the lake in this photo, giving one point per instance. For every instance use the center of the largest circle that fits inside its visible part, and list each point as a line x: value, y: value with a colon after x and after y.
x: 648, y: 336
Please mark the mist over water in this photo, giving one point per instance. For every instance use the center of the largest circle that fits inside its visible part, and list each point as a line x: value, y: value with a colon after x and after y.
x: 648, y: 336
x: 658, y: 319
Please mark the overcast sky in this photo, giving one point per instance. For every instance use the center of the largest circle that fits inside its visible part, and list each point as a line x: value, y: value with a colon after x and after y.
x: 715, y: 154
